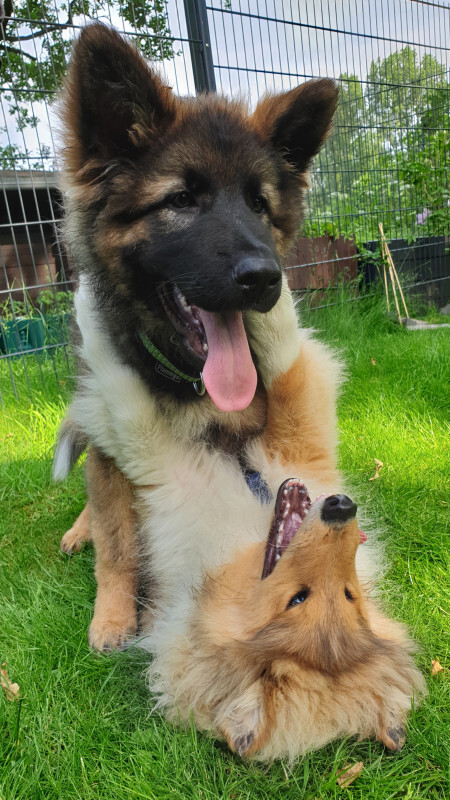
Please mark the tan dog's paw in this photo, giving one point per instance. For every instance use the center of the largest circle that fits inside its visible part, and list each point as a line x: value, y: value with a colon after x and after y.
x: 105, y: 636
x: 393, y: 738
x: 243, y: 720
x: 273, y: 336
x: 76, y: 537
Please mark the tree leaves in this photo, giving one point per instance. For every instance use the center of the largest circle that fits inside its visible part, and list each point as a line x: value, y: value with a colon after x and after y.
x: 389, y: 150
x: 35, y: 47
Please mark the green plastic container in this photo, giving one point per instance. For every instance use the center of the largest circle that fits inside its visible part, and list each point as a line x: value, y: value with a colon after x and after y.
x: 21, y: 335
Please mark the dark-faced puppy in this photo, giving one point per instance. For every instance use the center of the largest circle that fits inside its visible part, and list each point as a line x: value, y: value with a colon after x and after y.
x: 182, y: 209
x: 179, y: 211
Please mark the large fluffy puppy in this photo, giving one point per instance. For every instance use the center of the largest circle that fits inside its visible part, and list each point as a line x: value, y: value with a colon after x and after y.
x: 180, y: 212
x: 272, y: 643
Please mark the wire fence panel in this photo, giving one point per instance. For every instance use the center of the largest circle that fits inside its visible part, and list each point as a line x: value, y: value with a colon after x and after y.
x: 387, y: 161
x: 36, y: 285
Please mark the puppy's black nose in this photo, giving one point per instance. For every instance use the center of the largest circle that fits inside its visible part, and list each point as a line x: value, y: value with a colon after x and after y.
x: 338, y: 508
x: 260, y: 281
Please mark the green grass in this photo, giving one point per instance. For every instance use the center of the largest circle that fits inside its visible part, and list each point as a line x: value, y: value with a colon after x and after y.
x: 82, y: 728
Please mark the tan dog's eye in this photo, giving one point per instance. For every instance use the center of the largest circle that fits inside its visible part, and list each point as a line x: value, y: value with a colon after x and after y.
x: 349, y: 595
x: 298, y: 598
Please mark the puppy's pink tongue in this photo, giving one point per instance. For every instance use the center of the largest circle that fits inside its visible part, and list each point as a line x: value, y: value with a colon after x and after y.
x: 229, y: 373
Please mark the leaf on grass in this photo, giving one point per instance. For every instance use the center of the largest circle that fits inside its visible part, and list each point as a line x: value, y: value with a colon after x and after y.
x: 373, y: 361
x: 436, y: 667
x: 349, y: 774
x: 378, y: 465
x: 11, y: 689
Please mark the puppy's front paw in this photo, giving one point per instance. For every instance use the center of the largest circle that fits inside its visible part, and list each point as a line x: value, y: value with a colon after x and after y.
x: 72, y: 542
x: 75, y: 538
x: 114, y: 623
x: 273, y: 336
x: 111, y: 635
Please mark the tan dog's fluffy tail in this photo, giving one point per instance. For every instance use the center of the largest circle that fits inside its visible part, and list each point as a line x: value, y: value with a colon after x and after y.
x: 71, y: 443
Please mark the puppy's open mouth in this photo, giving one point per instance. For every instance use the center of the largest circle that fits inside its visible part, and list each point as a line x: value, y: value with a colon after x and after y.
x: 291, y: 507
x: 185, y: 319
x: 219, y: 341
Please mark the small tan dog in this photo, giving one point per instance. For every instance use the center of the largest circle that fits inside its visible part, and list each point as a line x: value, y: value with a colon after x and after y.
x: 272, y: 643
x: 280, y: 658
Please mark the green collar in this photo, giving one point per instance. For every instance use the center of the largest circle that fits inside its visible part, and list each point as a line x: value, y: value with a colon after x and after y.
x: 170, y: 371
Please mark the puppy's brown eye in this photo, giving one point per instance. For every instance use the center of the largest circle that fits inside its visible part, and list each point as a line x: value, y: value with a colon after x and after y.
x: 349, y: 595
x: 182, y: 200
x: 298, y: 598
x: 259, y: 205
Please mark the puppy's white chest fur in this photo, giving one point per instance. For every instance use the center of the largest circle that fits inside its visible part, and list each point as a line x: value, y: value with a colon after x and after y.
x: 193, y: 503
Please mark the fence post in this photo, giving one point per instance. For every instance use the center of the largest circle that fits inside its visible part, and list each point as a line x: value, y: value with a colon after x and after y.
x: 200, y: 45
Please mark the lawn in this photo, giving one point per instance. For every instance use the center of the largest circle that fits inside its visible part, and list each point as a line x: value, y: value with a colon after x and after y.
x: 82, y: 728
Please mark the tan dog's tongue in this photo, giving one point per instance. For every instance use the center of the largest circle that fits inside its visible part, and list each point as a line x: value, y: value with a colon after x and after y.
x: 229, y: 373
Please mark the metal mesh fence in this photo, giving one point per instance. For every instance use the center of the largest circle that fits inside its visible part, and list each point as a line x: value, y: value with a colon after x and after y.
x: 386, y: 161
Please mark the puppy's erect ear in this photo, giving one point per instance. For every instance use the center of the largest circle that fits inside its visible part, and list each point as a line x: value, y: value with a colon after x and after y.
x: 243, y: 720
x: 113, y: 102
x: 298, y: 122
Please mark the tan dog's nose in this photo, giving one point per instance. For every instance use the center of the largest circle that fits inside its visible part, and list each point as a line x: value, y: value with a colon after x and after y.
x: 338, y: 508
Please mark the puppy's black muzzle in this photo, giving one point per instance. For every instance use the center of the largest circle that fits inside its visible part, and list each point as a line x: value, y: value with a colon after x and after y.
x: 338, y: 508
x: 259, y: 281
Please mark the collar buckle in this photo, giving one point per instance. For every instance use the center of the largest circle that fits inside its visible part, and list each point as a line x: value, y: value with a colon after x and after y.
x: 199, y: 386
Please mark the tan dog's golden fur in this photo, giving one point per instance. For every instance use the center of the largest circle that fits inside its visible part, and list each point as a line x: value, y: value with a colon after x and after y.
x: 278, y: 680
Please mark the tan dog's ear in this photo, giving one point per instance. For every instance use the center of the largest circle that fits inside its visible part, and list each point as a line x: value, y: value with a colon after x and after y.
x: 243, y: 720
x: 298, y: 122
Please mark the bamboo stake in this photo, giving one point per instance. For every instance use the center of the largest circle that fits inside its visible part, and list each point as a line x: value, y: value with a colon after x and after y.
x: 392, y: 266
x: 386, y: 285
x: 392, y: 273
x: 398, y: 282
x: 394, y: 292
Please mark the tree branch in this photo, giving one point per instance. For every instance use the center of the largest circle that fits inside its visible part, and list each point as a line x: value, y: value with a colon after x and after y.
x: 9, y: 49
x: 60, y: 26
x: 57, y: 26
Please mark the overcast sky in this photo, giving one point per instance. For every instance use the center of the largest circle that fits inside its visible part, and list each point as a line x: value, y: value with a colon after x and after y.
x: 287, y: 44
